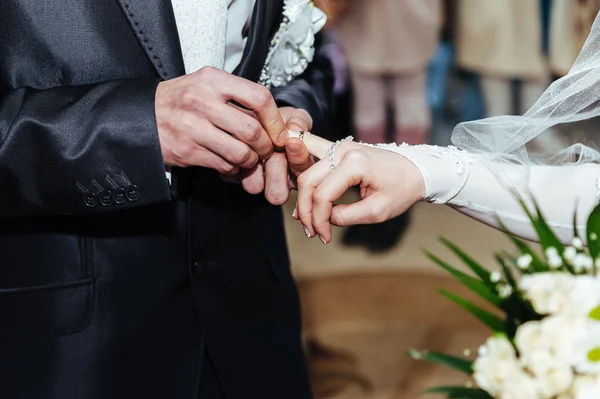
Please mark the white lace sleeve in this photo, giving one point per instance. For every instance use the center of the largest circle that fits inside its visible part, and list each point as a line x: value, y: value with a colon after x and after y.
x: 458, y: 179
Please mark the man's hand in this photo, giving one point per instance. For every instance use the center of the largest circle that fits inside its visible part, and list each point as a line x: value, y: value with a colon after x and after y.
x: 277, y: 175
x: 282, y: 169
x: 197, y: 126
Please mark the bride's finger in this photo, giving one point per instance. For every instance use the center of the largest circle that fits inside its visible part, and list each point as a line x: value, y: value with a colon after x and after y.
x: 345, y: 175
x: 361, y: 212
x: 307, y: 183
x: 317, y: 146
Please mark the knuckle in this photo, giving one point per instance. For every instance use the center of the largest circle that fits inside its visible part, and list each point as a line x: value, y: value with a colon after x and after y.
x: 228, y: 168
x: 263, y: 97
x: 379, y: 212
x: 318, y: 196
x: 302, y: 180
x: 354, y: 155
x: 206, y: 72
x: 182, y: 152
x: 241, y: 156
x: 251, y: 130
x: 189, y: 97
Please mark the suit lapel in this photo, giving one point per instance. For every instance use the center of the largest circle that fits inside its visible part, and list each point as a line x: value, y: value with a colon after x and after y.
x: 265, y: 20
x: 154, y: 25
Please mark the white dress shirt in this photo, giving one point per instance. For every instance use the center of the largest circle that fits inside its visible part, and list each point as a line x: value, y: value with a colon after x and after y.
x: 210, y: 32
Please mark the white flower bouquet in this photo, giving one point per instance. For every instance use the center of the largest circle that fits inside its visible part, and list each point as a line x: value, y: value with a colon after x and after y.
x: 547, y: 343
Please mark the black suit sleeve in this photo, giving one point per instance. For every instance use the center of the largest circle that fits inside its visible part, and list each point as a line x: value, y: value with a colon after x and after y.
x: 312, y: 91
x: 80, y: 149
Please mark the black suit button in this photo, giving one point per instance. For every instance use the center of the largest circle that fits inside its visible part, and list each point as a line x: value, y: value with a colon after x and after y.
x: 119, y: 196
x: 133, y: 193
x: 90, y: 200
x: 106, y: 198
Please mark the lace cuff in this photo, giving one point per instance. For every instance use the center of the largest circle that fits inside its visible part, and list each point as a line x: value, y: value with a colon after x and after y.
x: 445, y: 170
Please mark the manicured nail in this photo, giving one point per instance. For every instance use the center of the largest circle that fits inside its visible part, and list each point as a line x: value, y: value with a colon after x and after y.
x: 306, y: 232
x: 295, y: 213
x: 323, y: 240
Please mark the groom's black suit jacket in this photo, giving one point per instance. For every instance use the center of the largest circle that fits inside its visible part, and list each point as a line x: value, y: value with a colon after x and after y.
x: 112, y: 283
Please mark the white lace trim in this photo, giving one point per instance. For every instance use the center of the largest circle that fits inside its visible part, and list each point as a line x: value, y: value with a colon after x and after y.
x: 441, y: 185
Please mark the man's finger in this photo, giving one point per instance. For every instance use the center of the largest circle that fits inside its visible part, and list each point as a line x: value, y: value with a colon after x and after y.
x: 277, y: 190
x: 258, y: 99
x: 224, y: 145
x: 296, y: 119
x: 297, y: 156
x: 253, y: 180
x: 244, y: 127
x: 317, y: 146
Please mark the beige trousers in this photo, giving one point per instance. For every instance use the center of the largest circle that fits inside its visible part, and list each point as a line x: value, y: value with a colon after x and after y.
x: 407, y: 96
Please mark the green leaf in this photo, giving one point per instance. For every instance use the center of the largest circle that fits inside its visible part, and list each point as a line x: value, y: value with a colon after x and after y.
x: 510, y: 279
x: 575, y: 231
x: 479, y: 270
x: 492, y: 321
x: 475, y: 285
x: 537, y: 264
x: 593, y: 233
x: 460, y: 392
x: 548, y: 238
x: 456, y: 363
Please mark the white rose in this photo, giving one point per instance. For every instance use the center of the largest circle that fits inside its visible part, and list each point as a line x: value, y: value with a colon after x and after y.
x: 519, y: 385
x: 584, y: 295
x: 583, y: 383
x: 530, y: 338
x: 548, y: 292
x: 585, y: 356
x: 552, y: 376
x: 559, y: 334
x: 589, y: 390
x: 496, y: 361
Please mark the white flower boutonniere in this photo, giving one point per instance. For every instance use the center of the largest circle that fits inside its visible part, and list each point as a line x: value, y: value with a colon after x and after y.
x: 292, y: 47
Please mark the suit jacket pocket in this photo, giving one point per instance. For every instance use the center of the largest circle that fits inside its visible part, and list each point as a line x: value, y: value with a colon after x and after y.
x: 46, y: 311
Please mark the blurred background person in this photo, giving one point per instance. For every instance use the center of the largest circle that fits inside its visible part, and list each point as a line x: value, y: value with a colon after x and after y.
x: 388, y: 45
x: 528, y: 41
x: 517, y: 47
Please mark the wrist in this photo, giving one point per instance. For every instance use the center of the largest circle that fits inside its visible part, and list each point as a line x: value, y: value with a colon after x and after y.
x: 442, y: 171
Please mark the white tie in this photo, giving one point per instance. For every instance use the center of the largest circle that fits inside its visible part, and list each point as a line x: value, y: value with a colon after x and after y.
x: 202, y: 27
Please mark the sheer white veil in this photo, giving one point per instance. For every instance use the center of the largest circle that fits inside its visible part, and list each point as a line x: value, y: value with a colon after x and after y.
x: 569, y: 105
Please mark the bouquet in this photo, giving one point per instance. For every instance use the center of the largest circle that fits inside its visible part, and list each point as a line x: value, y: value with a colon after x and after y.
x: 545, y: 340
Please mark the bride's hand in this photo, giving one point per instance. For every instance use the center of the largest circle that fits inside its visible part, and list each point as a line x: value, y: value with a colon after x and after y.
x: 389, y: 185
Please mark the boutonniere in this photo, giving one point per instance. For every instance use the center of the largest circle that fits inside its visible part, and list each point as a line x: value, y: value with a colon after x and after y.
x: 293, y: 46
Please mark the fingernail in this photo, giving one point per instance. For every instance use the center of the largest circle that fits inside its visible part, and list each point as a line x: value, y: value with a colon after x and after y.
x: 306, y: 232
x: 323, y: 240
x: 295, y: 213
x: 283, y: 137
